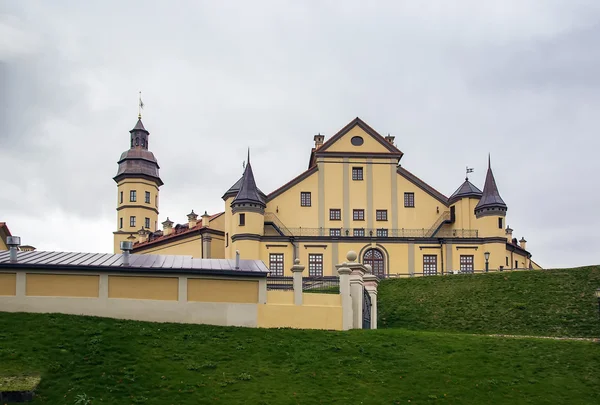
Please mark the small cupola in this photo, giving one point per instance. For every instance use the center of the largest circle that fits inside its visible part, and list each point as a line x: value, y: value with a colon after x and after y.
x: 139, y: 136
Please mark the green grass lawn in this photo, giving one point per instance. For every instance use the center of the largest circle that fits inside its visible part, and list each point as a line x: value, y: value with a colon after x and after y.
x: 103, y: 361
x: 550, y: 303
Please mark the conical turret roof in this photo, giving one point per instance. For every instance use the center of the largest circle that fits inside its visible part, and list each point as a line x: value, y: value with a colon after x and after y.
x: 248, y: 192
x: 491, y: 197
x: 467, y: 189
x: 139, y: 126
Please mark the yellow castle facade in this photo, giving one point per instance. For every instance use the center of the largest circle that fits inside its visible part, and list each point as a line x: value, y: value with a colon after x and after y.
x: 354, y: 196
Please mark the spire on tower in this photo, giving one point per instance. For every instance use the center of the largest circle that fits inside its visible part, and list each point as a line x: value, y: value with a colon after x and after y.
x: 491, y: 203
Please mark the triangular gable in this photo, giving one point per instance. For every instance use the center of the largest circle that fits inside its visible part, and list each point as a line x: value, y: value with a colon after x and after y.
x: 373, y: 142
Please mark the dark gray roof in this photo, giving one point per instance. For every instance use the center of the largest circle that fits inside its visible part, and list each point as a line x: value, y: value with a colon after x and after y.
x: 490, y: 197
x: 467, y: 189
x: 233, y: 190
x: 137, y: 263
x: 248, y: 192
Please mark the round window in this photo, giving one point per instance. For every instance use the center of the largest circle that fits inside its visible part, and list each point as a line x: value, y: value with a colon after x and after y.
x: 357, y: 140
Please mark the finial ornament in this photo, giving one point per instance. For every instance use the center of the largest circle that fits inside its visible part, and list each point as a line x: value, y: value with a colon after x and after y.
x: 140, y: 106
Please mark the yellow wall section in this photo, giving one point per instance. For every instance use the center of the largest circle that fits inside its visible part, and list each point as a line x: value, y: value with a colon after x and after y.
x: 288, y: 203
x: 326, y: 300
x: 370, y: 145
x: 296, y: 316
x: 143, y: 288
x: 8, y: 284
x: 280, y: 297
x: 190, y: 246
x: 213, y: 290
x: 62, y: 285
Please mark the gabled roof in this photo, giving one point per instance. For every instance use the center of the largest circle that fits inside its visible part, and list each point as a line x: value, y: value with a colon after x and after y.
x: 4, y: 232
x: 467, y: 189
x: 291, y: 183
x: 178, y: 230
x: 490, y: 197
x: 370, y: 131
x: 248, y: 192
x: 422, y: 185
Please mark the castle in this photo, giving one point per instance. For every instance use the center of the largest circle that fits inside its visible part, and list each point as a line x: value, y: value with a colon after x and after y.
x: 354, y: 196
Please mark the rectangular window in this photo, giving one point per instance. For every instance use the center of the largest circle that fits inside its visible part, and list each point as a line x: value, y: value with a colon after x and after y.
x: 276, y: 264
x: 226, y: 239
x: 429, y: 265
x: 132, y: 221
x: 358, y: 215
x: 382, y: 233
x: 147, y: 223
x: 335, y: 232
x: 335, y: 214
x: 409, y: 200
x: 121, y: 223
x: 132, y: 196
x: 305, y: 199
x: 121, y: 197
x: 359, y: 232
x: 315, y: 265
x: 147, y: 197
x: 516, y: 264
x: 156, y: 201
x: 242, y: 219
x: 381, y: 215
x: 500, y: 224
x: 506, y: 261
x: 466, y: 264
x: 357, y: 173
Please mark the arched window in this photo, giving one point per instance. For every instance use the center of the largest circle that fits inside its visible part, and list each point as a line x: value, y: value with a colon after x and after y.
x: 143, y: 142
x: 137, y: 141
x: 374, y: 258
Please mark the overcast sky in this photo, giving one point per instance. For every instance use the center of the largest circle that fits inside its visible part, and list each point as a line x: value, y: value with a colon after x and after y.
x: 451, y: 80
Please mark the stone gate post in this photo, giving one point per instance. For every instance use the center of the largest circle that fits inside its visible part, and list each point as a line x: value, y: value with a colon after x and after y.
x: 344, y: 273
x: 356, y: 289
x: 297, y: 270
x: 371, y: 283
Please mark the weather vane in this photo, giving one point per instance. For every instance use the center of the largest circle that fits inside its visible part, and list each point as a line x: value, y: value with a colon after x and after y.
x: 140, y: 106
x: 469, y: 170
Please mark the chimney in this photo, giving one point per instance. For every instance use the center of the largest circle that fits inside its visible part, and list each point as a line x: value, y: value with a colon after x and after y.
x: 143, y: 235
x: 13, y: 243
x: 167, y: 227
x: 237, y: 259
x: 509, y: 232
x: 523, y: 243
x: 390, y: 138
x: 319, y: 140
x: 192, y: 219
x: 205, y: 220
x: 126, y: 248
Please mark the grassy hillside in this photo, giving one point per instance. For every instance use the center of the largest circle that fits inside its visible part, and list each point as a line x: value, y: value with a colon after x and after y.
x: 85, y: 360
x: 543, y: 303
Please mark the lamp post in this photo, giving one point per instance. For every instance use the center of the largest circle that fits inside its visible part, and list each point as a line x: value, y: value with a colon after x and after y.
x: 487, y: 261
x: 597, y: 293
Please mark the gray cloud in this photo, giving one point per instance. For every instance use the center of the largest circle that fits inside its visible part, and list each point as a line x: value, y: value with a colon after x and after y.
x: 451, y: 82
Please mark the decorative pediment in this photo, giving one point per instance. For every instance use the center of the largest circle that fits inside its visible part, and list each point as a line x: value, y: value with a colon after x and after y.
x: 357, y: 138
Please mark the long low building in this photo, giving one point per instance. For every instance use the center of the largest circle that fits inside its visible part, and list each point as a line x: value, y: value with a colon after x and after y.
x: 355, y: 195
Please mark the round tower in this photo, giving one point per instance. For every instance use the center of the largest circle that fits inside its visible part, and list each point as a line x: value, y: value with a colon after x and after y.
x: 491, y: 209
x: 247, y: 217
x: 138, y: 185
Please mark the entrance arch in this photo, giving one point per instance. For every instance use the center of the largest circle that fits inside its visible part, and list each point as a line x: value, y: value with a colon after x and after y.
x: 374, y: 258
